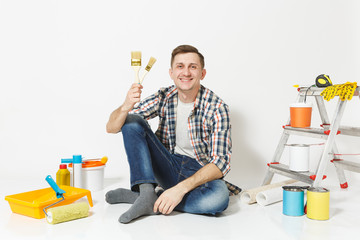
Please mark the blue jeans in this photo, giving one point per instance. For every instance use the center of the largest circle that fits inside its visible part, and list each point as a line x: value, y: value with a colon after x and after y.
x: 151, y: 162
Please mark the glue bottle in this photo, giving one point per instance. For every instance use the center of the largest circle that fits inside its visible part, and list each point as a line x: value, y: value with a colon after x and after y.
x: 77, y: 171
x: 63, y: 175
x: 76, y: 162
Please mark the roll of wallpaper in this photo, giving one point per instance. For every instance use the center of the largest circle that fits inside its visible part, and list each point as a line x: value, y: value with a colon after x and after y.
x: 269, y: 196
x: 249, y: 196
x: 274, y: 195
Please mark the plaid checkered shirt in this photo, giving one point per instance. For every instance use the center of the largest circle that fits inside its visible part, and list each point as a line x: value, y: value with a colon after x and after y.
x: 208, y: 124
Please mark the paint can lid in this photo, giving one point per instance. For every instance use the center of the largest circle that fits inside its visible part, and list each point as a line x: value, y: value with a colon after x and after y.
x: 293, y: 188
x: 301, y: 105
x: 318, y: 189
x: 298, y: 145
x: 89, y: 164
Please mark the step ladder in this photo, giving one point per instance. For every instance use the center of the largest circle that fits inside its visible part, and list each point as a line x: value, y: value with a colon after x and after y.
x: 327, y: 131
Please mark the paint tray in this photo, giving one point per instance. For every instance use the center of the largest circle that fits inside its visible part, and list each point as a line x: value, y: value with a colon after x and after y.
x: 32, y: 203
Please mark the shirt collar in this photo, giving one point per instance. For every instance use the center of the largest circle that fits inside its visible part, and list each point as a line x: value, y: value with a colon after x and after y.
x: 174, y: 92
x: 199, y: 97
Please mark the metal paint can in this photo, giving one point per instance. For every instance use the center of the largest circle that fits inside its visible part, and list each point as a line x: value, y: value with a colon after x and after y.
x: 299, y: 157
x: 318, y: 203
x: 293, y: 200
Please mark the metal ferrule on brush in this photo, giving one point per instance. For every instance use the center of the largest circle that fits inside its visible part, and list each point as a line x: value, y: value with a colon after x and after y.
x: 135, y: 62
x: 147, y: 68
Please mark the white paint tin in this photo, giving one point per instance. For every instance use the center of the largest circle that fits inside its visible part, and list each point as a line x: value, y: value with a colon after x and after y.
x: 299, y: 157
x: 92, y: 175
x: 93, y: 178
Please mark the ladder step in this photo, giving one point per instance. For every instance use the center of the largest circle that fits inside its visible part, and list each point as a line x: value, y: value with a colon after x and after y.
x: 307, y: 132
x: 315, y: 91
x: 283, y: 169
x: 347, y: 165
x: 345, y: 130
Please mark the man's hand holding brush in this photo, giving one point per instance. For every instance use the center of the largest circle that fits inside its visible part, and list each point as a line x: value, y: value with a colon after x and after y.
x: 133, y: 96
x: 117, y: 117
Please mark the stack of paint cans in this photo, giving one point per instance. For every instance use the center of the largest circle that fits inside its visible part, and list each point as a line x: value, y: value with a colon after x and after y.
x: 318, y: 202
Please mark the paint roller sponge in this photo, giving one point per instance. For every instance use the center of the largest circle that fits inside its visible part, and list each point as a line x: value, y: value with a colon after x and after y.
x: 67, y: 212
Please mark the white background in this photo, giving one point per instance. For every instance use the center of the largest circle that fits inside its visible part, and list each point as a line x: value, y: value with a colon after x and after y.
x: 65, y: 66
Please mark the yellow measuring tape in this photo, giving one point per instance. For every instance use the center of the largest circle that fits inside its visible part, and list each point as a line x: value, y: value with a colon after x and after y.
x: 344, y: 91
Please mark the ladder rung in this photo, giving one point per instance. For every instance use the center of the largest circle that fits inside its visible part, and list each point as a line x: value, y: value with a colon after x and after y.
x: 307, y: 132
x: 284, y: 170
x: 345, y: 130
x: 347, y: 165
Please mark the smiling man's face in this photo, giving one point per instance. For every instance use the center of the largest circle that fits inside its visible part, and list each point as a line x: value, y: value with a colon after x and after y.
x: 186, y: 72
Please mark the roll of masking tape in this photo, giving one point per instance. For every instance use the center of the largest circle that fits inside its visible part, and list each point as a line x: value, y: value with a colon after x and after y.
x: 318, y: 203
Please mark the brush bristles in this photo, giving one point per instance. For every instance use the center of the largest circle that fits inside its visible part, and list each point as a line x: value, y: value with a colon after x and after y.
x: 150, y: 64
x: 135, y: 58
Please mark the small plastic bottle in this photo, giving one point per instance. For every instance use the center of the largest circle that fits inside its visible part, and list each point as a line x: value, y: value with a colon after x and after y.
x: 77, y: 171
x: 63, y: 175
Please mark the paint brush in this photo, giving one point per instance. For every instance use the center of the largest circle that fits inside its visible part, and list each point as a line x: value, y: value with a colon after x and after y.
x: 136, y: 64
x: 147, y: 68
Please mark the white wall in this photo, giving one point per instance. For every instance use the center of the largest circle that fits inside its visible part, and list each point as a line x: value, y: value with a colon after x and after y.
x: 65, y: 65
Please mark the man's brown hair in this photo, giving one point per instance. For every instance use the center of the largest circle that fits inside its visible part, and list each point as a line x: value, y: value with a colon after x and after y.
x: 187, y: 49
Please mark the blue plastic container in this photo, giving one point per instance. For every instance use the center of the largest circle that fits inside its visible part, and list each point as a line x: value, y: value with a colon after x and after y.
x: 293, y: 201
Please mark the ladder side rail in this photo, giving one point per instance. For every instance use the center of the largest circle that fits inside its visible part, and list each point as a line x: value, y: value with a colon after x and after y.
x: 276, y: 158
x: 326, y: 122
x: 339, y: 169
x: 322, y: 110
x: 351, y: 131
x: 330, y: 142
x: 281, y: 146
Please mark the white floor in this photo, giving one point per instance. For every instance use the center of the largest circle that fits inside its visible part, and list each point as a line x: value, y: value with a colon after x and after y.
x: 239, y: 221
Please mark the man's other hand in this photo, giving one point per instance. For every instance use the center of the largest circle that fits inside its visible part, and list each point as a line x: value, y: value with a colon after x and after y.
x: 168, y: 200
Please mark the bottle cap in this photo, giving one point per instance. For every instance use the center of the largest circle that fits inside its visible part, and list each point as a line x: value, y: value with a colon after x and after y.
x: 77, y: 159
x: 63, y: 166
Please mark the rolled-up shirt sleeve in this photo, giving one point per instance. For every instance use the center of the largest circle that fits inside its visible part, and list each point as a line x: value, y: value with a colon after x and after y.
x: 220, y: 145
